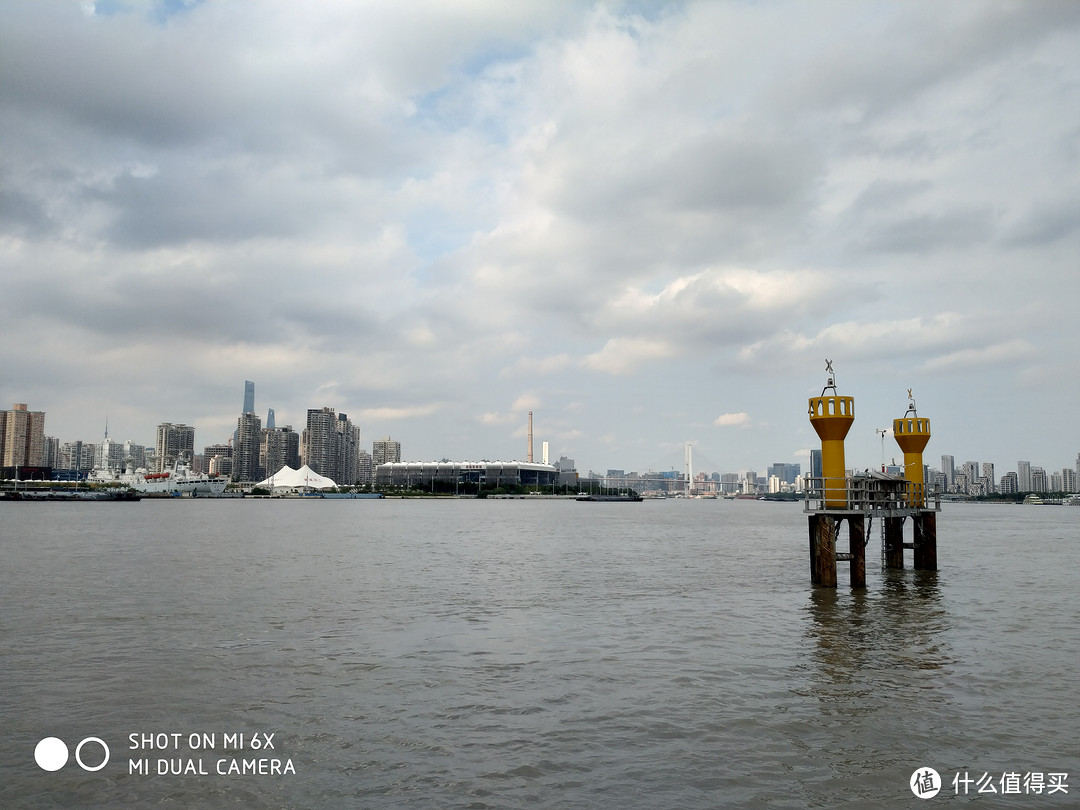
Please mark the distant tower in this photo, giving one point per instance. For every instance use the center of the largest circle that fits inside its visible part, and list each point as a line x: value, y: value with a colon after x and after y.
x: 831, y: 417
x: 544, y: 450
x: 249, y: 397
x: 270, y: 419
x: 912, y: 434
x: 530, y: 456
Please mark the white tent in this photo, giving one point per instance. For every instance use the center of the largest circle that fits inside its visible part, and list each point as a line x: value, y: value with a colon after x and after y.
x: 304, y: 478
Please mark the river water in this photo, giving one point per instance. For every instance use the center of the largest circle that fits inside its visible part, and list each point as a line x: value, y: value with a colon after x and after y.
x: 525, y: 653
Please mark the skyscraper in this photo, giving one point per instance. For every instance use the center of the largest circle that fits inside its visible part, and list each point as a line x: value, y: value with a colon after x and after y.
x: 245, y: 462
x: 385, y: 451
x: 948, y: 467
x: 280, y: 448
x: 249, y: 397
x: 22, y: 437
x: 331, y: 445
x: 1023, y: 476
x: 318, y: 440
x: 174, y: 443
x: 270, y: 419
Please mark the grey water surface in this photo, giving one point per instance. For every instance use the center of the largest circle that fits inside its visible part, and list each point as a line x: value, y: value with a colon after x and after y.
x: 527, y: 653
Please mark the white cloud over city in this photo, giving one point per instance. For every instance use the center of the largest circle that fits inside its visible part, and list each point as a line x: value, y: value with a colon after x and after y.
x: 647, y: 223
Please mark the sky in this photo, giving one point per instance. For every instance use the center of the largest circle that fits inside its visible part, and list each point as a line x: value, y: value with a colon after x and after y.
x: 648, y: 223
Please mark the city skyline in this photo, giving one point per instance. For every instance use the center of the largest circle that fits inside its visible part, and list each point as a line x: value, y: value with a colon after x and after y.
x: 647, y: 223
x: 892, y: 458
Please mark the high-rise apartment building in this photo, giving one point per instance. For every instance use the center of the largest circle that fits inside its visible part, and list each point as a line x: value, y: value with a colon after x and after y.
x: 1009, y: 484
x: 331, y: 445
x: 385, y: 451
x: 280, y: 448
x: 948, y: 467
x: 1039, y: 481
x: 109, y: 455
x: 52, y: 452
x: 22, y: 437
x: 1023, y: 476
x: 787, y: 473
x: 174, y: 443
x: 218, y: 459
x: 245, y: 461
x: 1068, y: 480
x: 347, y: 449
x: 365, y: 469
x: 318, y: 440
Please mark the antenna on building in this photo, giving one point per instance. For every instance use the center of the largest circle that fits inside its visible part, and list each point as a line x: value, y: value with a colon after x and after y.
x: 831, y: 379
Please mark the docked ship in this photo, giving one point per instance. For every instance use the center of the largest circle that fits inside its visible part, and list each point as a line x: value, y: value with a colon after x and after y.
x: 180, y: 480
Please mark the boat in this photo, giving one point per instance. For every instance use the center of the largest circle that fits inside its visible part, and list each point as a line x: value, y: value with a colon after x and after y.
x: 626, y: 497
x: 71, y: 495
x: 180, y: 480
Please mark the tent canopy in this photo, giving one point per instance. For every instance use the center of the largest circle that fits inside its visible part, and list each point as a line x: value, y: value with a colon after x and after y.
x: 304, y: 478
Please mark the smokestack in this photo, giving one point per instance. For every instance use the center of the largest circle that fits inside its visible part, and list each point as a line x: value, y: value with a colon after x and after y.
x: 545, y: 451
x: 529, y: 458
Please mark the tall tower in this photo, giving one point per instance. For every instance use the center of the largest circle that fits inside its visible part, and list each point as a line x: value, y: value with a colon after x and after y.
x: 245, y: 466
x: 832, y: 417
x: 249, y: 397
x: 22, y: 437
x: 913, y: 434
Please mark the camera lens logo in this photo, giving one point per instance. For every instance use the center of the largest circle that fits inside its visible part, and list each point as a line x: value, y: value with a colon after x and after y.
x: 51, y: 754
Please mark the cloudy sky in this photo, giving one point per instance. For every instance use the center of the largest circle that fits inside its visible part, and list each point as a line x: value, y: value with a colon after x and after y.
x: 649, y: 223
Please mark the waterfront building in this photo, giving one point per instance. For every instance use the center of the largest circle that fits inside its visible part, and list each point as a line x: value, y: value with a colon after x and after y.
x: 787, y: 473
x: 1056, y: 484
x: 1039, y: 483
x: 385, y: 451
x: 134, y: 455
x: 1068, y: 480
x: 465, y: 476
x: 217, y: 459
x: 318, y: 440
x: 22, y: 437
x: 52, y: 452
x: 1023, y: 476
x: 365, y: 469
x: 109, y: 455
x: 1009, y: 484
x: 245, y: 466
x: 330, y: 445
x: 174, y: 443
x: 948, y: 467
x: 961, y: 484
x: 280, y: 447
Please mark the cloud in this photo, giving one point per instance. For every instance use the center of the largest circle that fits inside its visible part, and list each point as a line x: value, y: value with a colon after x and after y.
x: 417, y: 212
x: 622, y: 356
x: 405, y: 412
x: 732, y: 420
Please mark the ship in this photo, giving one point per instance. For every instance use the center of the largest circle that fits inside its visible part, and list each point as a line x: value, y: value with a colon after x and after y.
x: 180, y: 480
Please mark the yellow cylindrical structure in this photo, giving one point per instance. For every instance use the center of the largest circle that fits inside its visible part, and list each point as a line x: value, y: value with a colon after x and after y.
x: 831, y: 417
x: 912, y: 433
